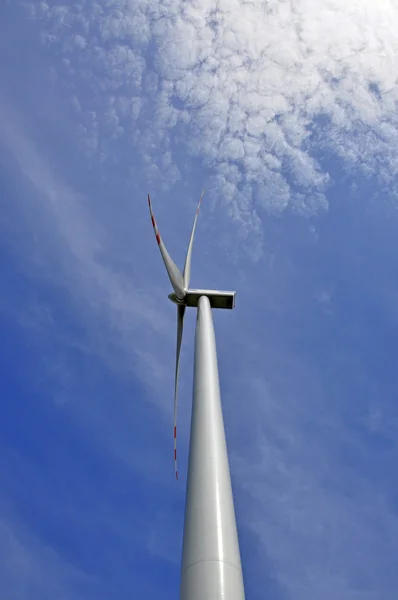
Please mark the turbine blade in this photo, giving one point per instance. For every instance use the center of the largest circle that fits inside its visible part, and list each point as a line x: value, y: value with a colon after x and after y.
x: 187, y: 267
x: 180, y: 327
x: 174, y: 273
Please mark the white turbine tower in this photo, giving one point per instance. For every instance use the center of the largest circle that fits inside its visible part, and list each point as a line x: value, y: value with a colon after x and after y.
x: 211, y: 567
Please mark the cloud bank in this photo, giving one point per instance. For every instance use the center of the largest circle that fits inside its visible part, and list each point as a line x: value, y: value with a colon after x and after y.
x: 258, y: 91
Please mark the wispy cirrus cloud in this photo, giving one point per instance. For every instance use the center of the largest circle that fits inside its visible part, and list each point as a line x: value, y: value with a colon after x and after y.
x: 30, y: 569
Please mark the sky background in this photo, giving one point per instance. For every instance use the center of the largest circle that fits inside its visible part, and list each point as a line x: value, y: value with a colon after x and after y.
x: 287, y: 113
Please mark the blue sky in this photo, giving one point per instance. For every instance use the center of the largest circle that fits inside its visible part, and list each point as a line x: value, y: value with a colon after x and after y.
x: 287, y: 115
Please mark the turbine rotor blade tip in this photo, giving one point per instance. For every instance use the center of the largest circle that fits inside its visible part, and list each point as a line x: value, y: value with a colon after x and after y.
x: 174, y: 273
x: 200, y: 201
x: 187, y: 266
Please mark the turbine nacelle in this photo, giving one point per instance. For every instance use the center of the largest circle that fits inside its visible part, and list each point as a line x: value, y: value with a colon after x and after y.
x: 217, y: 298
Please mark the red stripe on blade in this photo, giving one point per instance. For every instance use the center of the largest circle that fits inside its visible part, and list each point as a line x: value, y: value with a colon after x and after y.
x: 175, y: 432
x: 158, y: 238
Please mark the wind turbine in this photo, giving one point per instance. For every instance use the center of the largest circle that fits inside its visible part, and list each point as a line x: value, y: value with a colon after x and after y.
x: 211, y: 566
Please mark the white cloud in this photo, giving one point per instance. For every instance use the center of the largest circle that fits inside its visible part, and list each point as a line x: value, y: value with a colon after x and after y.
x: 246, y: 81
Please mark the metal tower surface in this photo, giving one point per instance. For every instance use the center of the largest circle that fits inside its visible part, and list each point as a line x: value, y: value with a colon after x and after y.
x: 211, y: 566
